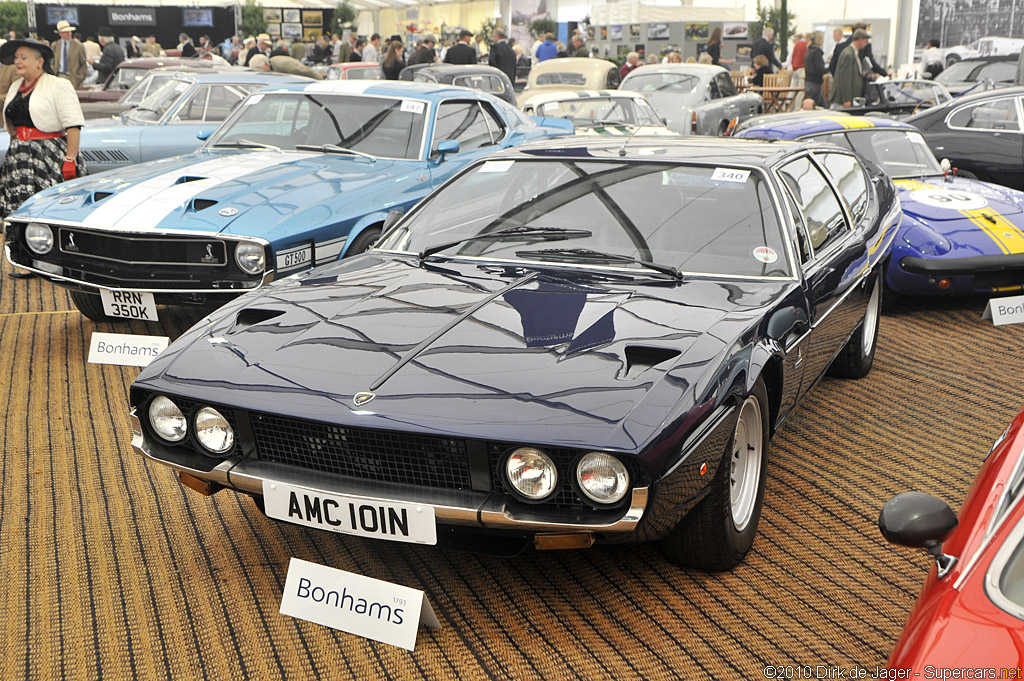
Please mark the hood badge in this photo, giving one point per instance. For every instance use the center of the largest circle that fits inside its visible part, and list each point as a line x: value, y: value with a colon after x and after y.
x: 359, y: 399
x: 228, y: 212
x: 209, y: 257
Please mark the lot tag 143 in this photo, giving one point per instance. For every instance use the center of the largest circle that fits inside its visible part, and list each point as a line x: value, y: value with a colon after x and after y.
x: 367, y: 607
x: 125, y: 349
x: 1005, y: 310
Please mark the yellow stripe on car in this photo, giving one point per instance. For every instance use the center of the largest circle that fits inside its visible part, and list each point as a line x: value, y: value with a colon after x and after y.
x: 1006, y: 235
x: 913, y: 185
x: 850, y: 122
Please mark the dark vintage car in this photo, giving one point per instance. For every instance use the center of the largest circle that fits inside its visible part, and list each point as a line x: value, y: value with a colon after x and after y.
x: 129, y: 72
x: 980, y: 134
x: 562, y: 345
x: 476, y: 76
x: 978, y: 74
x: 971, y: 608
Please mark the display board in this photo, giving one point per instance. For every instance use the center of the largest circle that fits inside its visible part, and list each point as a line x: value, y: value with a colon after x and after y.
x: 689, y: 38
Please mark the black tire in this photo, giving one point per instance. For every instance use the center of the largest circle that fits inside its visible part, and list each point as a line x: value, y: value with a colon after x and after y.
x: 90, y: 305
x: 857, y: 356
x: 362, y: 242
x: 951, y: 59
x: 709, y: 537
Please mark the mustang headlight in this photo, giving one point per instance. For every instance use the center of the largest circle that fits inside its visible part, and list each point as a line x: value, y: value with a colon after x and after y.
x: 532, y: 473
x: 213, y: 431
x: 602, y: 477
x: 167, y: 420
x: 39, y: 237
x: 249, y: 257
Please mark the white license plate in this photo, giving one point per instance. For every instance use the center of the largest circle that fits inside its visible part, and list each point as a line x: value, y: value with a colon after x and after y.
x: 362, y: 517
x: 129, y: 304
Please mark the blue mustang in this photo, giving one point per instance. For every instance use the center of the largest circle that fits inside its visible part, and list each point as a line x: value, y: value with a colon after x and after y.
x: 958, y: 235
x: 296, y: 177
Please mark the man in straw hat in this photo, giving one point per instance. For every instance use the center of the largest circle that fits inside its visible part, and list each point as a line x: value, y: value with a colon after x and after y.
x: 262, y: 46
x: 69, y: 55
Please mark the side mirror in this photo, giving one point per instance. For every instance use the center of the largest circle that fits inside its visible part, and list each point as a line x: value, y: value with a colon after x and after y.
x: 447, y: 147
x: 946, y: 166
x: 204, y: 135
x: 391, y: 219
x: 919, y: 520
x: 788, y: 320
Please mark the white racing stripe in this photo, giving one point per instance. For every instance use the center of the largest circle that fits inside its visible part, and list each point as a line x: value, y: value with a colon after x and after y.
x: 148, y: 203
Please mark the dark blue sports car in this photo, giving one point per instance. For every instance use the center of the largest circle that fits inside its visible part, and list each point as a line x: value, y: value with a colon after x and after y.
x: 561, y: 345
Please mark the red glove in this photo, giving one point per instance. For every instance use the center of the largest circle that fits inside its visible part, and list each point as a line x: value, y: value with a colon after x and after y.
x: 68, y: 169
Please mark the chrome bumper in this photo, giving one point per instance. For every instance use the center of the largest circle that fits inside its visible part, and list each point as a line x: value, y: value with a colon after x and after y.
x: 450, y: 507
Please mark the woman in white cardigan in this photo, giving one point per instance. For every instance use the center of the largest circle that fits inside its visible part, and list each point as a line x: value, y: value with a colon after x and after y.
x: 44, y: 119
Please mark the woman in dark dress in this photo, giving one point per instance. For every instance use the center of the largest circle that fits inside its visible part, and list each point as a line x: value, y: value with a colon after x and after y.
x: 714, y: 47
x: 394, y: 60
x: 761, y: 68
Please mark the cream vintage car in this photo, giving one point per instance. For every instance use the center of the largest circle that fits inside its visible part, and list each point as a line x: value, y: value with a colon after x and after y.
x: 569, y: 73
x: 599, y: 112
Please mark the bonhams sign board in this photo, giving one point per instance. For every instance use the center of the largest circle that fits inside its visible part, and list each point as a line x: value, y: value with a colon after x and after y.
x: 131, y: 16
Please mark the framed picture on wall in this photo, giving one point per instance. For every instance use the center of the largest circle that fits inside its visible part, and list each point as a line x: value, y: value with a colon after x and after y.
x: 197, y: 17
x: 615, y: 32
x: 292, y: 16
x: 640, y: 49
x: 270, y: 15
x: 698, y: 31
x: 734, y: 31
x: 312, y: 17
x: 311, y: 33
x: 604, y: 33
x: 634, y: 30
x: 657, y: 31
x: 291, y: 30
x: 55, y: 15
x: 274, y: 29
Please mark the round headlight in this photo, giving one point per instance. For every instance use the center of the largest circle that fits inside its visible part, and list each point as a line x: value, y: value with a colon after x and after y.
x: 39, y: 237
x: 532, y: 473
x: 213, y: 431
x: 167, y: 420
x: 602, y: 477
x: 249, y: 257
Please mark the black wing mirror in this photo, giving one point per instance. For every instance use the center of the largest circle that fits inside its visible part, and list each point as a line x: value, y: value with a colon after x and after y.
x: 391, y: 219
x: 919, y: 520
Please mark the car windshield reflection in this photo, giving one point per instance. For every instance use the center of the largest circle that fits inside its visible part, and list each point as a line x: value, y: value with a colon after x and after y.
x: 375, y: 126
x: 159, y: 101
x: 595, y: 111
x: 696, y: 219
x: 900, y: 153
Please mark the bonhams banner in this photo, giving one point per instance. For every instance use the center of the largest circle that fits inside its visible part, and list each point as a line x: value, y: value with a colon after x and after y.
x: 131, y: 16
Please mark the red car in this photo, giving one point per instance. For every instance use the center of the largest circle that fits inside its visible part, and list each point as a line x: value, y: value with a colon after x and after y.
x: 970, y: 614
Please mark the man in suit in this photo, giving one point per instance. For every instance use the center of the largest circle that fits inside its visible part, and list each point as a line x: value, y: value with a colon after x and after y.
x: 502, y: 56
x: 68, y: 55
x: 763, y: 45
x: 262, y: 46
x: 425, y: 54
x: 849, y: 79
x: 113, y: 54
x: 461, y: 52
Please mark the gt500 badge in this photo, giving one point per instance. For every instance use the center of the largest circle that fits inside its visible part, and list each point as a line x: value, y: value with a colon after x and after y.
x: 949, y: 198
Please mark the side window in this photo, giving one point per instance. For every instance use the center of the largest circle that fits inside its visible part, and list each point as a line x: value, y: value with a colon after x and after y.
x: 835, y: 138
x: 713, y: 89
x: 193, y: 108
x: 803, y: 245
x: 471, y: 123
x: 819, y: 204
x: 849, y: 177
x: 223, y: 99
x: 613, y: 79
x: 725, y: 84
x: 998, y: 114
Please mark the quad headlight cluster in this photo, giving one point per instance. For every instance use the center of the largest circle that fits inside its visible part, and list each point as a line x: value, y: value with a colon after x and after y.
x: 39, y: 238
x: 209, y: 427
x: 601, y: 477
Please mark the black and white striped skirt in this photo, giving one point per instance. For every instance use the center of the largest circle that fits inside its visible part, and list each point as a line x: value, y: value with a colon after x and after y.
x: 31, y: 166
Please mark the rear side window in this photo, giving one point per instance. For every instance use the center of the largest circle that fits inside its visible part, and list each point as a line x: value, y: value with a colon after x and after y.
x: 849, y: 177
x: 473, y: 124
x: 819, y: 204
x: 613, y: 79
x: 485, y: 82
x: 996, y: 114
x: 561, y: 78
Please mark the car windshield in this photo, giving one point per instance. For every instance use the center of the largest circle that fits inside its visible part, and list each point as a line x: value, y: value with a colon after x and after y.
x: 900, y: 153
x: 364, y: 73
x: 561, y: 78
x: 680, y: 216
x: 589, y: 112
x: 159, y: 101
x: 907, y: 92
x: 957, y: 73
x: 377, y: 126
x: 150, y: 83
x: 481, y: 81
x: 126, y: 77
x: 662, y: 82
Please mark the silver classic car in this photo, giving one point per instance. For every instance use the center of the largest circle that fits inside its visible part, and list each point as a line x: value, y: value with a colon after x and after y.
x: 694, y: 99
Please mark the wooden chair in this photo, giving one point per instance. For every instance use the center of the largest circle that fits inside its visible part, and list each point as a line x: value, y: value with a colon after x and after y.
x: 776, y: 80
x: 739, y: 79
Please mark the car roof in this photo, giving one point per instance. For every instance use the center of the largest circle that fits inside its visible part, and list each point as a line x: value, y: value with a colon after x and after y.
x: 976, y: 97
x: 990, y: 58
x: 573, y: 65
x: 461, y: 68
x: 157, y: 62
x: 704, y: 70
x: 726, y: 150
x: 237, y: 75
x: 791, y: 128
x: 559, y: 95
x: 388, y: 88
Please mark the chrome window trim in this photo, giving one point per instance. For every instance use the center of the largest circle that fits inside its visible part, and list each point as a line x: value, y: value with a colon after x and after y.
x: 1014, y: 542
x: 1017, y: 106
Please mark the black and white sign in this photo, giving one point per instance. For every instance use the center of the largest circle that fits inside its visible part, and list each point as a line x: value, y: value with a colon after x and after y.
x: 372, y: 608
x: 131, y: 16
x: 125, y: 349
x: 1005, y: 310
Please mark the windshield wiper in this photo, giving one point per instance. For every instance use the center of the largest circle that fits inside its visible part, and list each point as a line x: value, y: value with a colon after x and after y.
x: 335, y: 149
x: 588, y: 254
x: 546, y: 233
x: 247, y: 144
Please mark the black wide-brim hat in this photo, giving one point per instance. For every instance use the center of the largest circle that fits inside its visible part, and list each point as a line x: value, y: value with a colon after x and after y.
x: 8, y: 49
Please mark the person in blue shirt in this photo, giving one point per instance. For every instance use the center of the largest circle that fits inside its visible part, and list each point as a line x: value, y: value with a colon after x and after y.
x: 547, y: 49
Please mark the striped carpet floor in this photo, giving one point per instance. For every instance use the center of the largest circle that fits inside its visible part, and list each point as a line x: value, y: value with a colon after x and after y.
x: 110, y: 569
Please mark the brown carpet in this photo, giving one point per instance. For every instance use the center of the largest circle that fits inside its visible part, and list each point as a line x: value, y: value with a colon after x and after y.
x: 111, y: 569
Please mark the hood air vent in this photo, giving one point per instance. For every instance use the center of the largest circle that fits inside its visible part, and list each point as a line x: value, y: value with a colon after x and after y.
x: 202, y: 204
x: 640, y: 358
x: 99, y: 196
x: 188, y: 178
x: 251, y: 316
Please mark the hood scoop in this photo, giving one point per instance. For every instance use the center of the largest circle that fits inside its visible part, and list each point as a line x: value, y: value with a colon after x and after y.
x: 640, y: 358
x: 189, y: 178
x: 202, y: 204
x: 252, y: 316
x: 99, y: 196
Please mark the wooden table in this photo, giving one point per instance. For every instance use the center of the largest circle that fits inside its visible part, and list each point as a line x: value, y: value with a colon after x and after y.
x: 776, y: 98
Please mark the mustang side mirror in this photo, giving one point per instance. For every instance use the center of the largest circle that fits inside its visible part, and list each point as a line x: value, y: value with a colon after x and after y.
x: 391, y: 219
x: 204, y: 135
x: 919, y: 520
x: 447, y: 147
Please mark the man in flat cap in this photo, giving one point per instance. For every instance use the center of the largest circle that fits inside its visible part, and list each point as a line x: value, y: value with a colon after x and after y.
x: 69, y: 55
x: 461, y: 52
x: 849, y: 80
x: 113, y: 54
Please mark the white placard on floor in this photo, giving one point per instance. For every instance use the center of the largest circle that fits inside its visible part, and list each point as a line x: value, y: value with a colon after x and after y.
x: 125, y: 349
x: 367, y: 607
x: 1005, y: 310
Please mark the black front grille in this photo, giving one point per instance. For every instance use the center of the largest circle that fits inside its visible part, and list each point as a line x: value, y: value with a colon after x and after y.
x: 1012, y: 278
x: 425, y: 460
x: 143, y: 250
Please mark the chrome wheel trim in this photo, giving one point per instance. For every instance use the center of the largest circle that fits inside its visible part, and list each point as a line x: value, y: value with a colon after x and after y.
x: 870, y: 324
x: 745, y: 463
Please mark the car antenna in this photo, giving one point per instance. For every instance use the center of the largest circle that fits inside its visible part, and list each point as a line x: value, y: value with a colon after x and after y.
x: 622, y: 149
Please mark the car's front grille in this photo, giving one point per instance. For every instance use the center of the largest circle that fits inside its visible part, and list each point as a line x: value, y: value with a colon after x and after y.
x: 1012, y: 278
x: 382, y: 456
x: 143, y: 250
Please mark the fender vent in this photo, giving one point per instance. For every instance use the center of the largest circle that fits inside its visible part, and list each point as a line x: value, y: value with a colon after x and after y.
x: 640, y: 358
x: 202, y: 204
x: 252, y: 316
